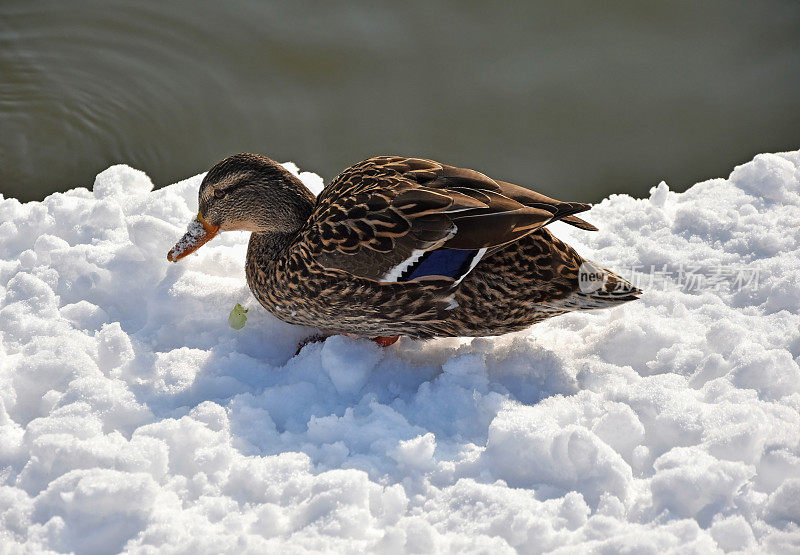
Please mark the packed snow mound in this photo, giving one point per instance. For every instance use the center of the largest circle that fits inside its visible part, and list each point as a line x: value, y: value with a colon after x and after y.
x: 133, y: 417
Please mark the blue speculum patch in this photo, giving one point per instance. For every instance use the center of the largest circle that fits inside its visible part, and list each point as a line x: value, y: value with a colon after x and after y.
x: 452, y: 263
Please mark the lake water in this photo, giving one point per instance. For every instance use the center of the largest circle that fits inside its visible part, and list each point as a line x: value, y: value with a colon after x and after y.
x: 576, y: 99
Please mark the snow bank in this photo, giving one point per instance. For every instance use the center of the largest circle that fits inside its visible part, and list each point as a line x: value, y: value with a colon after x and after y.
x: 132, y: 417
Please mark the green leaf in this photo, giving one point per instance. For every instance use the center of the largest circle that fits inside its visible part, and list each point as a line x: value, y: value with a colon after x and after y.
x: 237, y: 318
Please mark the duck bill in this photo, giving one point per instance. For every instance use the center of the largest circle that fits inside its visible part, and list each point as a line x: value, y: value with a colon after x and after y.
x: 198, y: 234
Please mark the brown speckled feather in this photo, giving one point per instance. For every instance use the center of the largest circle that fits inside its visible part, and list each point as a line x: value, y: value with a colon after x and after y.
x: 376, y: 213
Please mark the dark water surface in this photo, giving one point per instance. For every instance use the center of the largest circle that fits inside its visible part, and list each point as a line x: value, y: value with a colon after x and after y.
x: 579, y: 99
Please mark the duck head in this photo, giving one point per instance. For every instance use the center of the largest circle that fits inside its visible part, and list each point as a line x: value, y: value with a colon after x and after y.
x: 246, y: 192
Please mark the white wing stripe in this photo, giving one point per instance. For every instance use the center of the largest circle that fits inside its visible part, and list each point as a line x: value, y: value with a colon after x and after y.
x: 395, y: 273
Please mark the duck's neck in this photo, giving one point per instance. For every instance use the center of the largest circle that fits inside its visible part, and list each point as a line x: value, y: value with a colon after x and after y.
x: 297, y: 205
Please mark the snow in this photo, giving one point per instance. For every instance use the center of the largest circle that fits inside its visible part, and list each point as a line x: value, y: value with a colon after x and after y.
x: 133, y: 417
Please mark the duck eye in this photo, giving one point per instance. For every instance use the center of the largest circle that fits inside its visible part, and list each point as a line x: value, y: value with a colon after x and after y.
x: 219, y: 193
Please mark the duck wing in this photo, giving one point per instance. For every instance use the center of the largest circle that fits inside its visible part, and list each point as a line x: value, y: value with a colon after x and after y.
x: 393, y: 219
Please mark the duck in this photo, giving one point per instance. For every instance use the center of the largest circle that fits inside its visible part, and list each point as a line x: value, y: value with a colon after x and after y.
x: 401, y: 246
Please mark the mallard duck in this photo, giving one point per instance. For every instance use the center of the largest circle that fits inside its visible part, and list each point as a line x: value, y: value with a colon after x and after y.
x: 399, y: 246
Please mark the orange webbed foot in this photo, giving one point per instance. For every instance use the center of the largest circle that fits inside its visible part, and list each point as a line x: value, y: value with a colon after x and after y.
x: 385, y: 341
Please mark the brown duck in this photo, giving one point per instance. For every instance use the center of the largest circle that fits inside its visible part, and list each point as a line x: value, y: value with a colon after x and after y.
x: 401, y: 246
